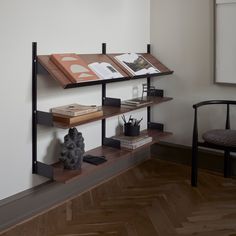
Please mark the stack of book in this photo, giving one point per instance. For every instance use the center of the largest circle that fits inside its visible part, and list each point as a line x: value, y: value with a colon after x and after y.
x: 75, y: 113
x: 136, y: 102
x: 133, y: 142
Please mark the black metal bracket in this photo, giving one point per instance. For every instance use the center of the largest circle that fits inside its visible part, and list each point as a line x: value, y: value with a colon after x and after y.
x: 158, y: 126
x: 44, y: 170
x: 111, y: 143
x: 44, y: 118
x: 156, y: 93
x: 115, y: 102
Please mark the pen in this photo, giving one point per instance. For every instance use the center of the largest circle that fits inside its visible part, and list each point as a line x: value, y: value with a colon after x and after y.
x: 139, y: 121
x: 123, y: 118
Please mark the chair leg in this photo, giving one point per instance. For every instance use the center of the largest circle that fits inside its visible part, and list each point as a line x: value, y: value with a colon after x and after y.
x: 194, y: 166
x: 227, y: 168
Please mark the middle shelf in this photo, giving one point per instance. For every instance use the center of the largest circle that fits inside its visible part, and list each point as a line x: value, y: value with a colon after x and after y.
x: 108, y: 111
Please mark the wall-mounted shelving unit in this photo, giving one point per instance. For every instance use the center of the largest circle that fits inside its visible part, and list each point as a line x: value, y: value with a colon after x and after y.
x: 110, y: 106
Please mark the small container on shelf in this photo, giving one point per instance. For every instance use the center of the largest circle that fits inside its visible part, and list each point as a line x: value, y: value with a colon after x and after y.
x: 132, y: 126
x: 131, y: 130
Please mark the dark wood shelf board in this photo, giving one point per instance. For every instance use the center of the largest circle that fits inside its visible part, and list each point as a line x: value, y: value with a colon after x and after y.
x: 112, y: 155
x: 109, y: 111
x: 59, y: 76
x: 157, y: 135
x: 164, y: 70
x: 53, y: 70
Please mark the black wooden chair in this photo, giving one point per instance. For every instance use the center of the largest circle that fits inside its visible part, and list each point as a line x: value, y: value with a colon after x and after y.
x: 221, y: 139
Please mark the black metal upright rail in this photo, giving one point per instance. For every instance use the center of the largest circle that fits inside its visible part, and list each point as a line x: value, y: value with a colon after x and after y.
x: 104, y: 51
x: 38, y: 117
x: 148, y: 87
x: 34, y: 107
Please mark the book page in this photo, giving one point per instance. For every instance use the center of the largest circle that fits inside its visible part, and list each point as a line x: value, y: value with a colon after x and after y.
x: 112, y: 69
x: 101, y: 71
x: 105, y: 70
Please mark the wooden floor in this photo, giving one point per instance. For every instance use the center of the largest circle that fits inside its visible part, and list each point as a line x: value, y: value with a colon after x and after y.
x: 152, y: 199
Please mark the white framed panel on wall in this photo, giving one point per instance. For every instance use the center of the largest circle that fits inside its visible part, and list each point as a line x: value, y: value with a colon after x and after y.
x: 225, y: 41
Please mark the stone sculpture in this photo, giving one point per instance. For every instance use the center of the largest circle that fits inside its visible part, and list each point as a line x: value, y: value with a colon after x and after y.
x: 72, y: 150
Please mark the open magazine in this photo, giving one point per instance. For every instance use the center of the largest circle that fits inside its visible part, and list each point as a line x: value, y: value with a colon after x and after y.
x: 104, y: 70
x: 136, y: 64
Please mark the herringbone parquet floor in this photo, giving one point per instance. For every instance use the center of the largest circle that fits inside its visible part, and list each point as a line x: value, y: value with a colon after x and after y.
x: 152, y: 199
x: 156, y: 198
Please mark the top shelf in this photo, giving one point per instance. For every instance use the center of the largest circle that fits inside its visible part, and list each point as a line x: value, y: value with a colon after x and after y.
x: 59, y: 76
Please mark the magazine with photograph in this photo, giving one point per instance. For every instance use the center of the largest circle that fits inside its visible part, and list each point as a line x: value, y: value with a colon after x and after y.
x: 105, y: 70
x: 136, y: 64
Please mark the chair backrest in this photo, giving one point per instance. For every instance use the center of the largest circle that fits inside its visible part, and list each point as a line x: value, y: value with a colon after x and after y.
x: 214, y: 102
x: 211, y: 102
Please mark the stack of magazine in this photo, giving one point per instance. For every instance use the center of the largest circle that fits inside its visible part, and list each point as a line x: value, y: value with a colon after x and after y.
x: 133, y: 142
x: 74, y: 113
x: 136, y: 102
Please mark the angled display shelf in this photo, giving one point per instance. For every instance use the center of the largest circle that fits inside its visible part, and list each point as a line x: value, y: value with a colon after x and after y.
x: 59, y: 76
x: 150, y: 58
x: 110, y: 107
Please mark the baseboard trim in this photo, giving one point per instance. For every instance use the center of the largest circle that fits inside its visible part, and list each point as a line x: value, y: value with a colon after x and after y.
x: 35, y: 201
x: 181, y: 154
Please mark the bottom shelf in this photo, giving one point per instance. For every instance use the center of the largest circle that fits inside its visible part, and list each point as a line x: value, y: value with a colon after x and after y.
x: 112, y: 155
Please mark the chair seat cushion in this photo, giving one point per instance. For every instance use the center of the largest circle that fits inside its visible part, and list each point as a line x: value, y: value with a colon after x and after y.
x: 221, y: 137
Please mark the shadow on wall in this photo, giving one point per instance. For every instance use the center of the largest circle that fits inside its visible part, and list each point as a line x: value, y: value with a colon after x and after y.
x: 53, y: 149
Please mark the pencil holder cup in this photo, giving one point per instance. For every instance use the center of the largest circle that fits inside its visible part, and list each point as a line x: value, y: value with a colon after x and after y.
x: 131, y: 130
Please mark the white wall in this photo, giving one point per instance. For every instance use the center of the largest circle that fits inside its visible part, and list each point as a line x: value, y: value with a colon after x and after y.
x: 182, y: 38
x: 58, y: 26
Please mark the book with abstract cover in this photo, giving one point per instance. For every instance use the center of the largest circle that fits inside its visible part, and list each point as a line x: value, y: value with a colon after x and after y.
x: 136, y: 64
x: 73, y: 67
